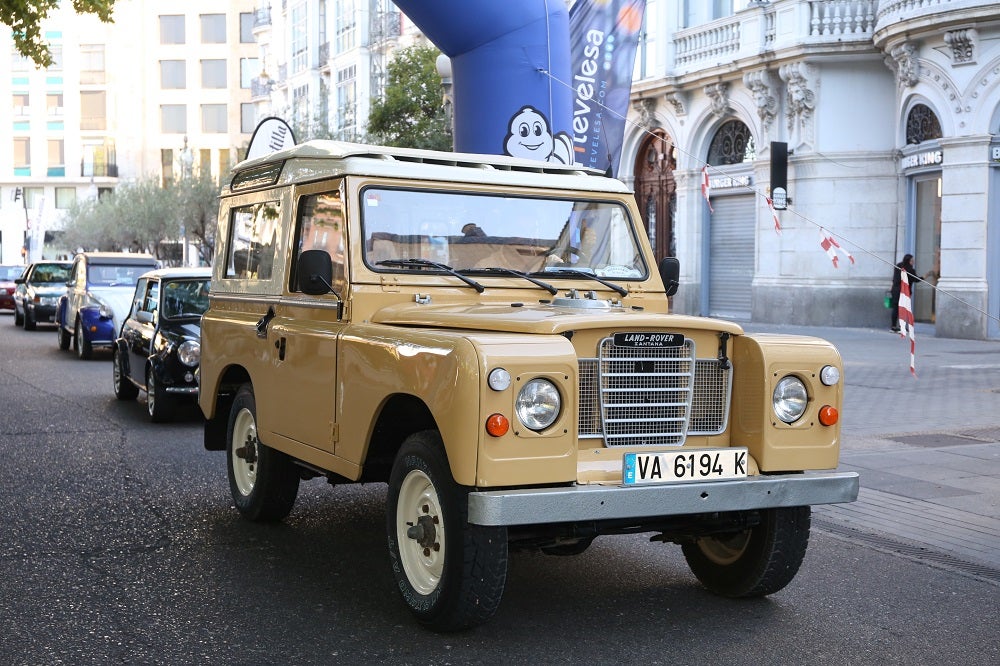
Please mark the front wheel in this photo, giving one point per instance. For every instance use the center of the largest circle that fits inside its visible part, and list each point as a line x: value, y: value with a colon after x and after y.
x: 264, y: 482
x: 84, y: 350
x: 29, y: 320
x: 754, y: 562
x: 159, y: 404
x: 450, y: 574
x: 18, y: 317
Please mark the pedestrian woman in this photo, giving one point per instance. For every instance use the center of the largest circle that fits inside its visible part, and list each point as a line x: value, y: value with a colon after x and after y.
x: 905, y: 265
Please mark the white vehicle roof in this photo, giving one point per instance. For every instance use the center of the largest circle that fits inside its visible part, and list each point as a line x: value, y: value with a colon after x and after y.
x: 318, y: 160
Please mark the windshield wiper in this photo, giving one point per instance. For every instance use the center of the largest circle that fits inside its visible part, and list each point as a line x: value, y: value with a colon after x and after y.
x: 510, y: 271
x: 424, y: 263
x: 590, y: 276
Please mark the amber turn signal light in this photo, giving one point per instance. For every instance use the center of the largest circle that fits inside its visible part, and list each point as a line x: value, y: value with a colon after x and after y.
x: 828, y: 415
x: 497, y: 425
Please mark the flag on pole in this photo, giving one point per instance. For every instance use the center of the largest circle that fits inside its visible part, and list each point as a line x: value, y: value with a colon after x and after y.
x: 832, y: 247
x: 906, y: 317
x: 706, y: 188
x: 774, y: 214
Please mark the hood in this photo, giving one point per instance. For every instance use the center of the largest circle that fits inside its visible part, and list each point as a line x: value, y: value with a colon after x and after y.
x: 563, y: 314
x: 119, y: 299
x: 190, y: 330
x: 47, y: 290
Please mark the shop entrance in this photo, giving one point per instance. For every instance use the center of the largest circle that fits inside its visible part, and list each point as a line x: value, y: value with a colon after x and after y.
x: 927, y: 244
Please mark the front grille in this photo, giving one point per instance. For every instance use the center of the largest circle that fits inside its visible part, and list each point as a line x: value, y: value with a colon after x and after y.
x: 651, y: 396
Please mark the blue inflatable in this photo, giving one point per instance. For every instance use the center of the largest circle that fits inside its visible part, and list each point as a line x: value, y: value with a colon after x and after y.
x: 501, y: 52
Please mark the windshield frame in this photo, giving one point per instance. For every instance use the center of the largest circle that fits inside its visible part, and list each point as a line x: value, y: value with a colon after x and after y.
x: 616, y: 215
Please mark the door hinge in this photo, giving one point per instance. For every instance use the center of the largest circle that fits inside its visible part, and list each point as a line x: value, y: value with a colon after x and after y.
x: 334, y: 433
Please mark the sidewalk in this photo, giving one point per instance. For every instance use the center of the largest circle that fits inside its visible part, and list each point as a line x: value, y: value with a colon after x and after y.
x: 927, y: 448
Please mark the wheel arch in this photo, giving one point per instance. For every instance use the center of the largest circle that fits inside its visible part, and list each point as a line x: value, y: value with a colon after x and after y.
x: 215, y: 405
x: 399, y: 416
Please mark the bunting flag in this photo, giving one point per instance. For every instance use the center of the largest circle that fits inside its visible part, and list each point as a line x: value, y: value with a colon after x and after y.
x: 774, y: 214
x: 906, y: 318
x: 706, y: 189
x: 832, y: 247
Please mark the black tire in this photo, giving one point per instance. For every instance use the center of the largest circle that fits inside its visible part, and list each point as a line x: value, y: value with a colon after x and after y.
x: 450, y: 574
x: 124, y: 388
x: 29, y: 320
x: 18, y: 317
x: 264, y: 482
x: 84, y: 350
x: 755, y: 562
x: 160, y: 404
x: 64, y: 337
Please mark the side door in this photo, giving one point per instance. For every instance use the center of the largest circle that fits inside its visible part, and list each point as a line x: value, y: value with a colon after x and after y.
x: 76, y: 292
x: 137, y: 332
x: 306, y: 329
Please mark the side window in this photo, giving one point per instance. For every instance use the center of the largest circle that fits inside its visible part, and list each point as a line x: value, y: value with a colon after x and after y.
x: 253, y: 237
x: 140, y: 290
x: 321, y: 227
x: 152, y: 303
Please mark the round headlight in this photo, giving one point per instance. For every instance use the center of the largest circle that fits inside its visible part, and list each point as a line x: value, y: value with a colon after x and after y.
x: 829, y: 375
x: 499, y: 379
x: 538, y: 404
x: 789, y: 399
x: 189, y: 353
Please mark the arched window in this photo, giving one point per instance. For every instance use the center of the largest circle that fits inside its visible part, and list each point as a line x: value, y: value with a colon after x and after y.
x: 655, y: 190
x: 732, y: 144
x: 922, y: 124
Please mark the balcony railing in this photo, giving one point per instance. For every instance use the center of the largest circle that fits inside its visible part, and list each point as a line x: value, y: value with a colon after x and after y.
x: 324, y: 54
x: 899, y: 15
x: 260, y: 87
x: 781, y: 24
x: 262, y: 17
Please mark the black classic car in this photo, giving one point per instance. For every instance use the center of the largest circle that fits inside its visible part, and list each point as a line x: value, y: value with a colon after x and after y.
x: 158, y: 347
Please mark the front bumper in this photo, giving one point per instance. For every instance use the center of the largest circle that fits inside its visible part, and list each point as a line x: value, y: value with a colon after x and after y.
x: 567, y: 504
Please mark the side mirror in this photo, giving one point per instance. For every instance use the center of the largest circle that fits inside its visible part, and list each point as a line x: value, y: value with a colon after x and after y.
x: 670, y: 273
x: 144, y: 317
x: 18, y: 280
x: 314, y: 272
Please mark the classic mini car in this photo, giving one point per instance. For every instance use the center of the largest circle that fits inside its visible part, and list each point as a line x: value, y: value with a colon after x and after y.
x: 38, y: 291
x: 524, y: 386
x: 8, y: 274
x: 97, y: 298
x: 158, y: 348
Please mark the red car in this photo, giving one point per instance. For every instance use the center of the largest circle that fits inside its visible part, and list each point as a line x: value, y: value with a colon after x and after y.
x: 8, y: 273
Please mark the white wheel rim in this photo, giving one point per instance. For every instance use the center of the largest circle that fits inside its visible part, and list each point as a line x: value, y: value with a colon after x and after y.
x: 725, y: 550
x: 245, y: 435
x: 423, y: 559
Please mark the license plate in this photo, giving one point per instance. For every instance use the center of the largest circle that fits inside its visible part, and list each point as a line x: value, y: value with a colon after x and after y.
x: 685, y: 465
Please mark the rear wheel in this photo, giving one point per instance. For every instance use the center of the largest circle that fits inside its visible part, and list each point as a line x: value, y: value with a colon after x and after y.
x: 64, y: 337
x: 124, y: 389
x: 158, y: 402
x: 84, y: 350
x: 264, y: 482
x: 451, y: 574
x: 754, y: 562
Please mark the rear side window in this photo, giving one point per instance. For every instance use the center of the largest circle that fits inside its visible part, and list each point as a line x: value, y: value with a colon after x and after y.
x: 252, y: 241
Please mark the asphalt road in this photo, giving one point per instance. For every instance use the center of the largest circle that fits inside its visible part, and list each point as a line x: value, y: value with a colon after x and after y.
x: 119, y: 545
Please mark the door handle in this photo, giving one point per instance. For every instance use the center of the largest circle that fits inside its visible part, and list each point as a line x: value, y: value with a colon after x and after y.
x: 264, y: 321
x: 279, y: 344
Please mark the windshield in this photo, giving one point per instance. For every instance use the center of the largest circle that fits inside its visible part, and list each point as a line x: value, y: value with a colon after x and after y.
x: 10, y: 273
x: 50, y: 274
x: 184, y: 298
x: 470, y: 231
x: 111, y: 275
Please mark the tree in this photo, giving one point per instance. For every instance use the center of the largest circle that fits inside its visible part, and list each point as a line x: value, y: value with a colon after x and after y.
x: 141, y: 216
x: 412, y: 114
x: 25, y: 17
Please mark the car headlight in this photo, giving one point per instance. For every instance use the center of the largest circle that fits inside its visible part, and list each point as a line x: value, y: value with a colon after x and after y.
x: 189, y: 353
x: 538, y: 404
x: 103, y: 308
x: 789, y: 399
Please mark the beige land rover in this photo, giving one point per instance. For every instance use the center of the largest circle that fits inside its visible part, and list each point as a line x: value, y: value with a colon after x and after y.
x: 491, y: 338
